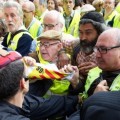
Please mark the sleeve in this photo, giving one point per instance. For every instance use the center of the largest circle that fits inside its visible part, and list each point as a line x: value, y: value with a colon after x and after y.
x: 41, y: 108
x: 24, y: 44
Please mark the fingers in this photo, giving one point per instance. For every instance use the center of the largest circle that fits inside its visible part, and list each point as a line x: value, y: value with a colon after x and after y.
x: 85, y: 67
x: 29, y: 61
x: 69, y: 68
x: 102, y: 86
x: 103, y: 82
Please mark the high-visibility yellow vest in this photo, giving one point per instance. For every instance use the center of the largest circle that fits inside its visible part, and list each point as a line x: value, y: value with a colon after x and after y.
x: 14, y: 42
x: 93, y: 75
x: 35, y: 28
x: 58, y: 87
x: 73, y: 29
x: 116, y: 22
x: 117, y: 8
x: 110, y: 17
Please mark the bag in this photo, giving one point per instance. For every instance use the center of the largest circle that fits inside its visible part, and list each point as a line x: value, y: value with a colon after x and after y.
x: 8, y: 57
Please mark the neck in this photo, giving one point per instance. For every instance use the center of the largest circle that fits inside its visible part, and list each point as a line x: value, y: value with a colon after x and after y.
x: 17, y: 100
x: 27, y: 23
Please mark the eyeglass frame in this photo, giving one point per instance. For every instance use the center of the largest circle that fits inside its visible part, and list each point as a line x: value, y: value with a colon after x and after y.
x: 27, y: 11
x: 47, y: 44
x: 104, y: 50
x: 49, y: 25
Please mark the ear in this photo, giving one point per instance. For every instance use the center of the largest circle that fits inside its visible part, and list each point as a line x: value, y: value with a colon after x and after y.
x: 61, y: 25
x: 23, y: 84
x: 60, y: 46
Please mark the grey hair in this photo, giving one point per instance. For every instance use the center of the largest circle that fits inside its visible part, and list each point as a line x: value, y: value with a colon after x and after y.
x: 57, y: 15
x: 14, y: 4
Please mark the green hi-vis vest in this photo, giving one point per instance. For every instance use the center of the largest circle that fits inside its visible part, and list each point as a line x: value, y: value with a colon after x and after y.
x: 59, y: 87
x: 34, y: 28
x: 118, y: 8
x: 14, y: 42
x: 73, y: 29
x: 116, y: 22
x: 93, y: 75
x: 110, y: 17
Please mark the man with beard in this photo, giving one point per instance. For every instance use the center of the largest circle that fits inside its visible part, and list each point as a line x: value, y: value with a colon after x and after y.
x: 91, y: 26
x: 18, y: 39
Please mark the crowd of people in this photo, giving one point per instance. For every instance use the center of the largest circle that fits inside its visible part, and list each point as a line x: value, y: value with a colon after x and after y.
x: 74, y: 44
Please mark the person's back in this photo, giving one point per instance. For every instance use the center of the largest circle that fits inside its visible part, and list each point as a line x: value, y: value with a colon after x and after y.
x: 103, y: 105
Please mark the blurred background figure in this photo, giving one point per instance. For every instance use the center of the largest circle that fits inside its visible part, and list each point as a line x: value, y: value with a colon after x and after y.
x: 1, y: 10
x: 109, y: 11
x: 52, y: 5
x: 3, y: 29
x: 78, y: 5
x: 32, y: 24
x: 86, y: 8
x: 98, y: 4
x: 40, y: 9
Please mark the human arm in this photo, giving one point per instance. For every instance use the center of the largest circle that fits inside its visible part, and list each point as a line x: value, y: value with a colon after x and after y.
x: 41, y: 108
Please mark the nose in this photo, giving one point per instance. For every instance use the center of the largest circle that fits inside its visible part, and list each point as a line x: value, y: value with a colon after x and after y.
x: 9, y: 18
x: 98, y: 54
x: 83, y: 37
x: 42, y: 47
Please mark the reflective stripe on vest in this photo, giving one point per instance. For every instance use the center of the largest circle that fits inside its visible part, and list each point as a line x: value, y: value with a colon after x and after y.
x: 14, y: 42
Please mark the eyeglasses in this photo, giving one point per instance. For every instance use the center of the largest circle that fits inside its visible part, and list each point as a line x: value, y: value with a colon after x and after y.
x: 50, y: 26
x: 104, y: 50
x: 27, y: 11
x: 46, y: 44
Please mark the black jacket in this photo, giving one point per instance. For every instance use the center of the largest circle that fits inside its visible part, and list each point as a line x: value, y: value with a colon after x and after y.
x: 12, y: 112
x: 102, y: 106
x: 36, y: 108
x: 41, y: 109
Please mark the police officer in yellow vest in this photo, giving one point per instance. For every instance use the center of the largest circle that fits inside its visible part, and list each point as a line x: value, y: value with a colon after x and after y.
x: 49, y: 47
x: 72, y: 18
x: 31, y: 23
x: 18, y: 39
x: 107, y: 76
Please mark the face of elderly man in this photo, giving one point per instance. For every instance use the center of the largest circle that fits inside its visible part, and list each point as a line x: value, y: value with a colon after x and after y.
x: 108, y: 50
x: 13, y: 18
x: 49, y: 49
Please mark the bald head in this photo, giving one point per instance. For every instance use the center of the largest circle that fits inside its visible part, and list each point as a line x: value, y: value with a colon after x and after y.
x: 29, y: 5
x: 113, y: 34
